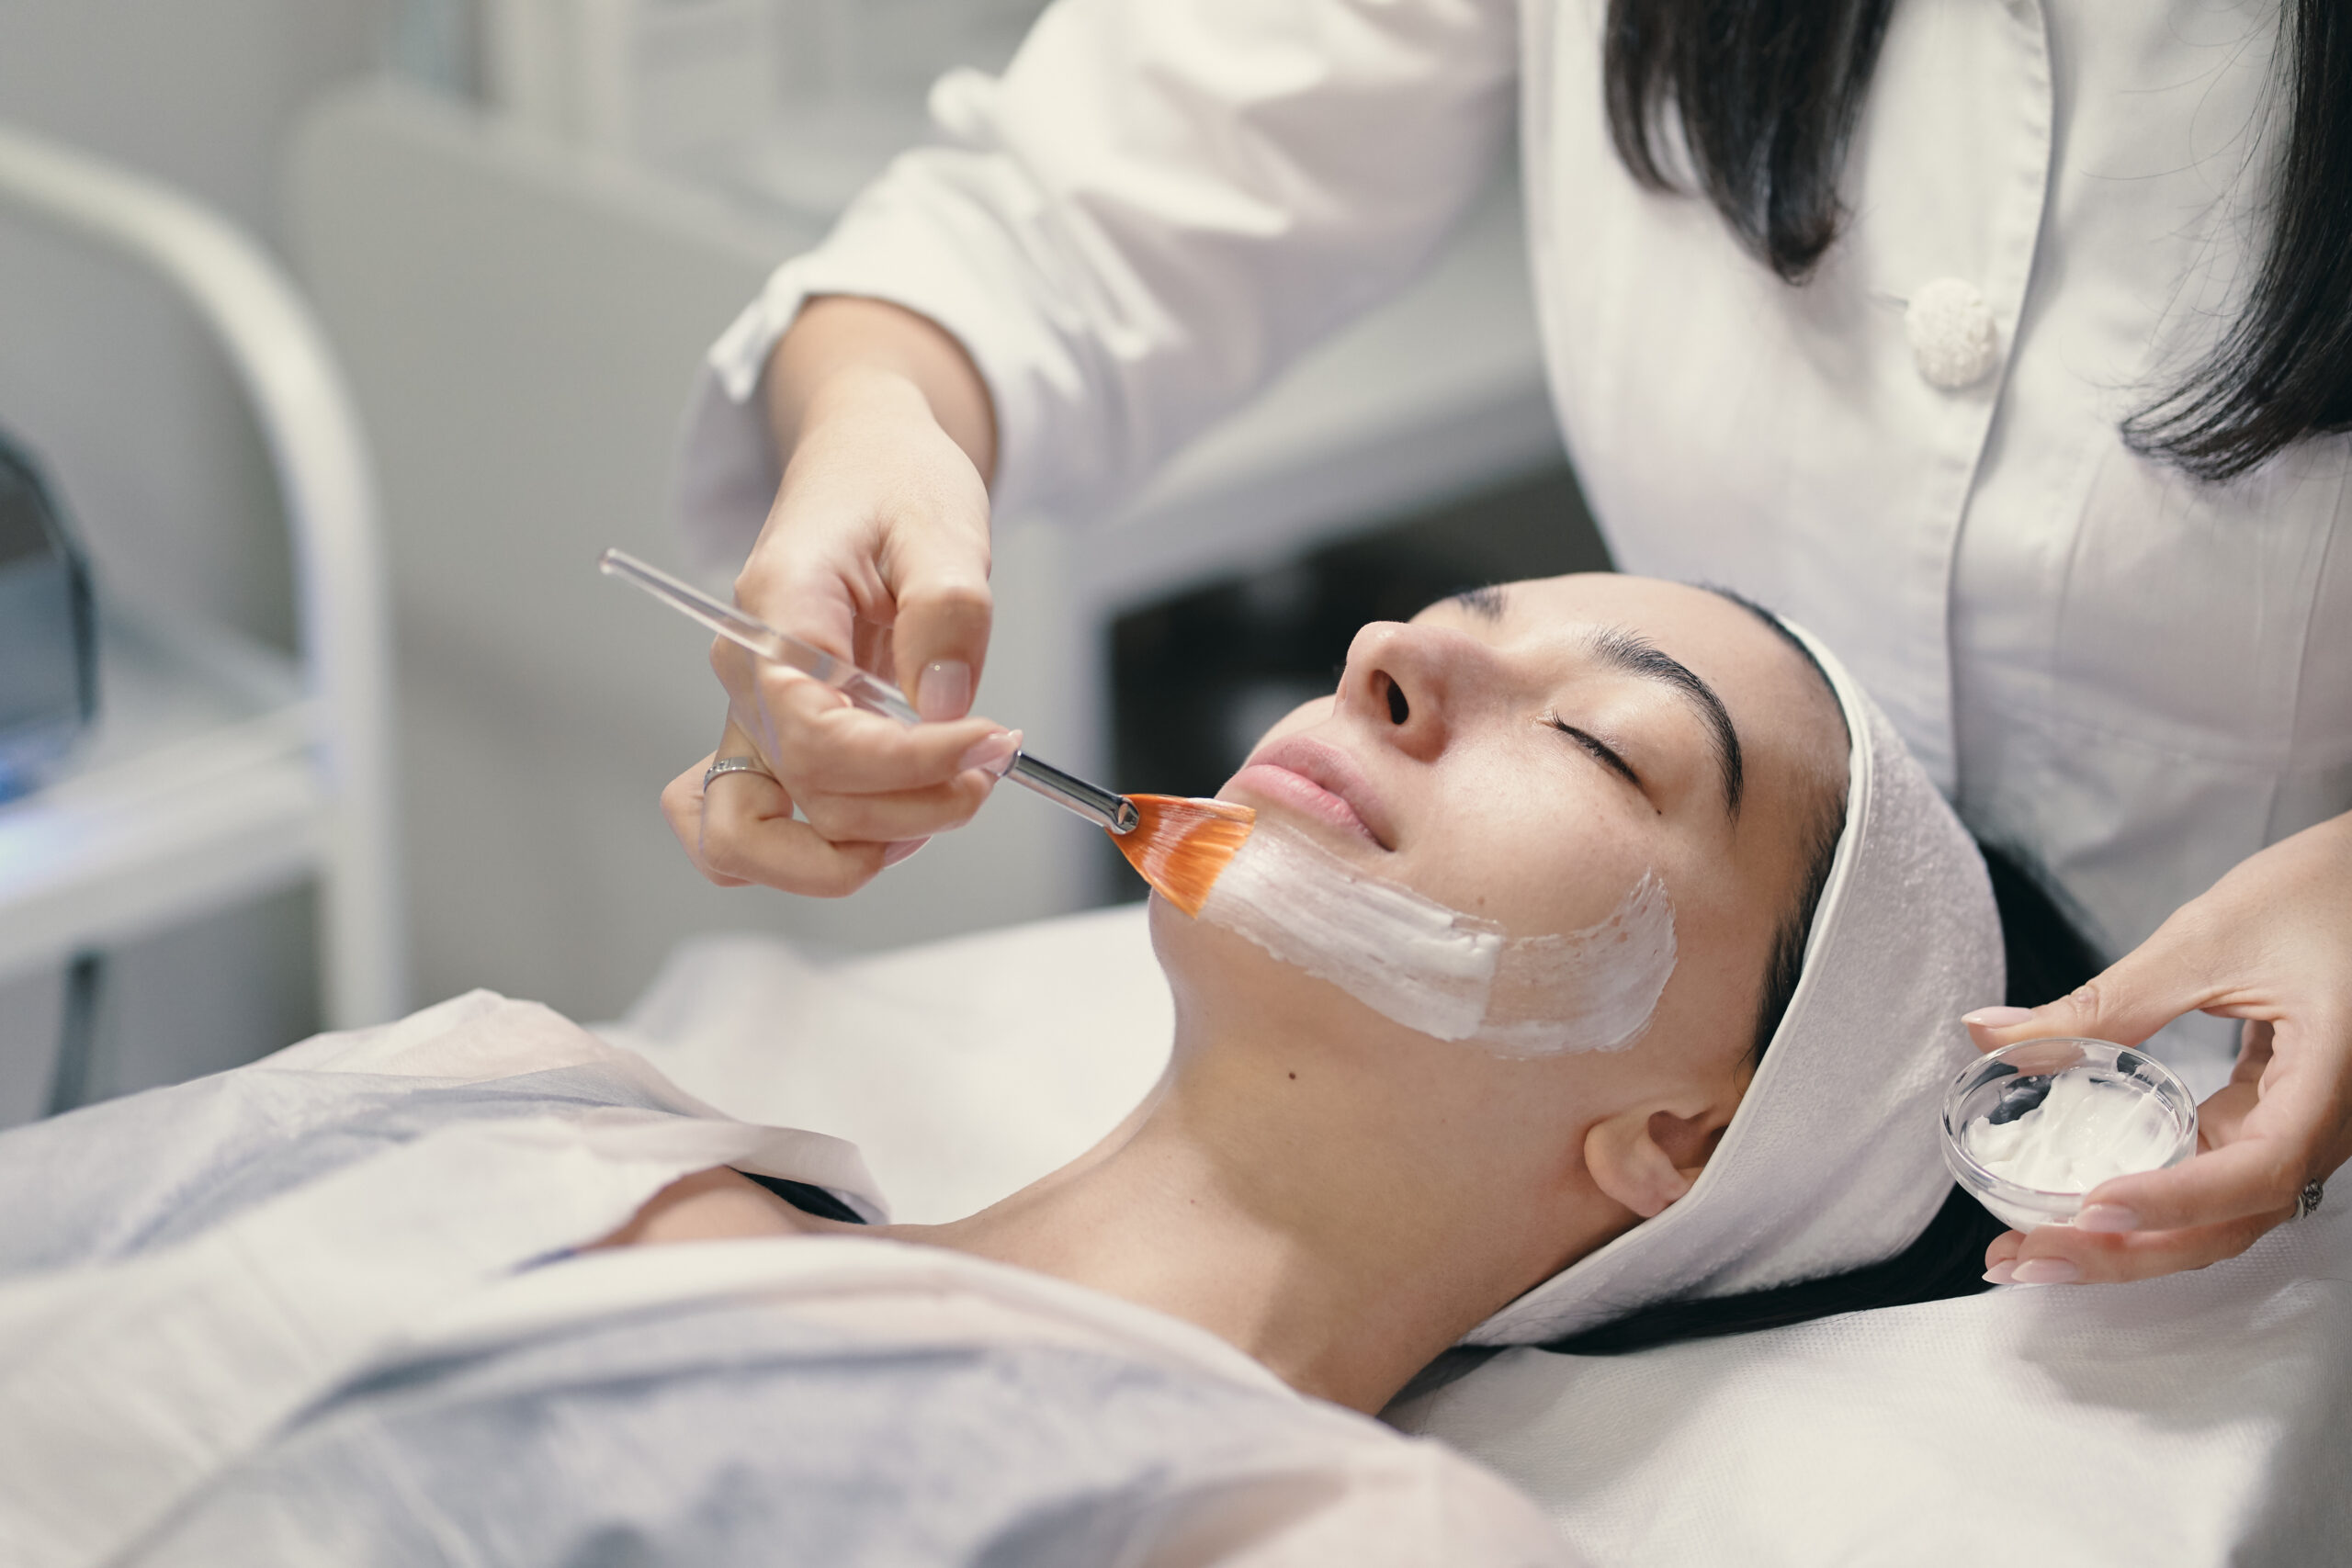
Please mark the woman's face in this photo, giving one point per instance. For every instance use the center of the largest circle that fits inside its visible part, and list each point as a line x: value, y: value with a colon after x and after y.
x: 1529, y: 755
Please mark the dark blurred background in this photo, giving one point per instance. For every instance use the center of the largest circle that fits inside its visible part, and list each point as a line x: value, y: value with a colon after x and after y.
x: 521, y: 293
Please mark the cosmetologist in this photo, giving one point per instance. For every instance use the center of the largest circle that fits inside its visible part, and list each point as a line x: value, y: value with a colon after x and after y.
x: 2007, y: 343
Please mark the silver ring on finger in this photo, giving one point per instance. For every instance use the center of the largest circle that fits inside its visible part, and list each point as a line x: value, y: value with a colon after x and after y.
x: 2307, y: 1201
x: 734, y: 765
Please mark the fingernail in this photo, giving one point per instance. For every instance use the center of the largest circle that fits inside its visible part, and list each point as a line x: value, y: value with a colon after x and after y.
x: 2000, y: 1273
x: 992, y: 753
x: 2106, y: 1217
x: 2044, y: 1272
x: 944, y: 689
x: 1996, y: 1018
x: 900, y: 849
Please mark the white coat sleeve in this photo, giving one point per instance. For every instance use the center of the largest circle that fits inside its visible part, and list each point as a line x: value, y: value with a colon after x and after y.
x: 1157, y: 207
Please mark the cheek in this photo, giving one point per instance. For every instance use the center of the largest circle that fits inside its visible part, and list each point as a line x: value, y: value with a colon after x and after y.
x: 1227, y: 989
x: 1709, y: 1005
x: 1540, y: 852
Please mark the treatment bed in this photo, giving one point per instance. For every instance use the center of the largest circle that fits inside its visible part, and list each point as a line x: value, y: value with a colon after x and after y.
x: 2198, y: 1419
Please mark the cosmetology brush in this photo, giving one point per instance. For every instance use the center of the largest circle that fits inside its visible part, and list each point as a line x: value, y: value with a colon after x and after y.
x: 1180, y: 846
x: 1177, y: 845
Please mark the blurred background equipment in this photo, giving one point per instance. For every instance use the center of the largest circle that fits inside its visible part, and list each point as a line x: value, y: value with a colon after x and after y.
x: 48, y: 630
x: 222, y: 770
x: 789, y: 102
x: 657, y: 77
x: 521, y: 293
x: 524, y: 319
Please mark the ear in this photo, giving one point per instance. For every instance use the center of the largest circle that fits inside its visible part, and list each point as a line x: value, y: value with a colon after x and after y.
x: 1645, y: 1158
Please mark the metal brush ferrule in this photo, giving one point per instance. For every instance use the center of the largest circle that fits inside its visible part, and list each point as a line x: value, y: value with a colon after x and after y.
x: 1097, y: 805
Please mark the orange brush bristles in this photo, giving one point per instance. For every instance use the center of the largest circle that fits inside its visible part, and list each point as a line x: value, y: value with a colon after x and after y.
x: 1180, y: 845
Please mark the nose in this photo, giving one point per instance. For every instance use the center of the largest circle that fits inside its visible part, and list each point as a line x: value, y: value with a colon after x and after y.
x: 1409, y: 682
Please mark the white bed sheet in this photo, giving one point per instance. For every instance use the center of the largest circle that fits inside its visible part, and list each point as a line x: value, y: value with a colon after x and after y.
x: 2204, y: 1418
x: 964, y: 1069
x: 2201, y: 1419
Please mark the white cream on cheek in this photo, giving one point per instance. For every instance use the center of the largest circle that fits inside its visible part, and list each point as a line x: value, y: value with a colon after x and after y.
x: 1449, y: 975
x: 2088, y: 1128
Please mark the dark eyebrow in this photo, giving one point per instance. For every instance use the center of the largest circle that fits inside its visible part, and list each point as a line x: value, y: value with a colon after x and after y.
x: 1488, y: 603
x: 1626, y: 651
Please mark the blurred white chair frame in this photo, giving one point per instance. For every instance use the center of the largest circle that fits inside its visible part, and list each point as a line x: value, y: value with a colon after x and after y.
x: 306, y: 788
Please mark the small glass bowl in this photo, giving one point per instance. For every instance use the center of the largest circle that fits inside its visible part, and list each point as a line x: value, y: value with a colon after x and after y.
x: 2026, y: 1069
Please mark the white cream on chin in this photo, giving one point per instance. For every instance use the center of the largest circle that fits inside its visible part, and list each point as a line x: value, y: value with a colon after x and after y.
x: 2089, y: 1129
x: 1440, y: 971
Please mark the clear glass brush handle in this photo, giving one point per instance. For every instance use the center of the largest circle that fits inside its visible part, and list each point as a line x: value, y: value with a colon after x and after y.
x: 1100, y: 806
x: 758, y: 637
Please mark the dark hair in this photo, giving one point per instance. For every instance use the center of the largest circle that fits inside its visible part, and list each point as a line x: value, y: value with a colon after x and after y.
x: 1785, y: 963
x: 1767, y: 94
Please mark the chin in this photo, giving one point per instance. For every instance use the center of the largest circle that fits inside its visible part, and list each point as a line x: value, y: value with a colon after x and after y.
x: 1226, y: 983
x: 1193, y: 952
x: 1231, y: 993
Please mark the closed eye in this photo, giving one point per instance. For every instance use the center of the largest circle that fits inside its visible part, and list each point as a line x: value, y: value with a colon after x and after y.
x: 1601, y: 751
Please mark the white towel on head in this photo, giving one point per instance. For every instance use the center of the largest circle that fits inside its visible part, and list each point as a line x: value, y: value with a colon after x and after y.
x: 1832, y: 1161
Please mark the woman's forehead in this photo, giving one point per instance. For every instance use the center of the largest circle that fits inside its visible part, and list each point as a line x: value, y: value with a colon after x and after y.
x: 1764, y: 688
x: 1697, y: 626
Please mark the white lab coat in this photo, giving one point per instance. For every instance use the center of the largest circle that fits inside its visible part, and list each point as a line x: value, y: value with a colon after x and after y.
x: 2136, y: 677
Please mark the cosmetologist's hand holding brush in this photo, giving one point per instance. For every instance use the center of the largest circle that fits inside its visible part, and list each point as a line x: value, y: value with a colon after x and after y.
x: 1179, y: 846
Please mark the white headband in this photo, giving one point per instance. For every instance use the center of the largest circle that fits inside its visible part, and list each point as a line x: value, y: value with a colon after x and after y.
x: 1831, y: 1162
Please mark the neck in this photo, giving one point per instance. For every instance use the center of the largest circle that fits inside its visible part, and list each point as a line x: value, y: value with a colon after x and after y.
x: 1310, y: 1245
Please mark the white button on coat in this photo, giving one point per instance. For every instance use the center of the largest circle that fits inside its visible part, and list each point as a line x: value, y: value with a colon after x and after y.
x: 2138, y: 679
x: 1951, y: 332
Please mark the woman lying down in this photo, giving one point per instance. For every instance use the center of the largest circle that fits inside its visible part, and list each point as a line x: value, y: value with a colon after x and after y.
x: 1508, y: 1027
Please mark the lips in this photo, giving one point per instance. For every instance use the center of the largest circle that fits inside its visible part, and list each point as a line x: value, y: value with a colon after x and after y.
x: 1317, y: 780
